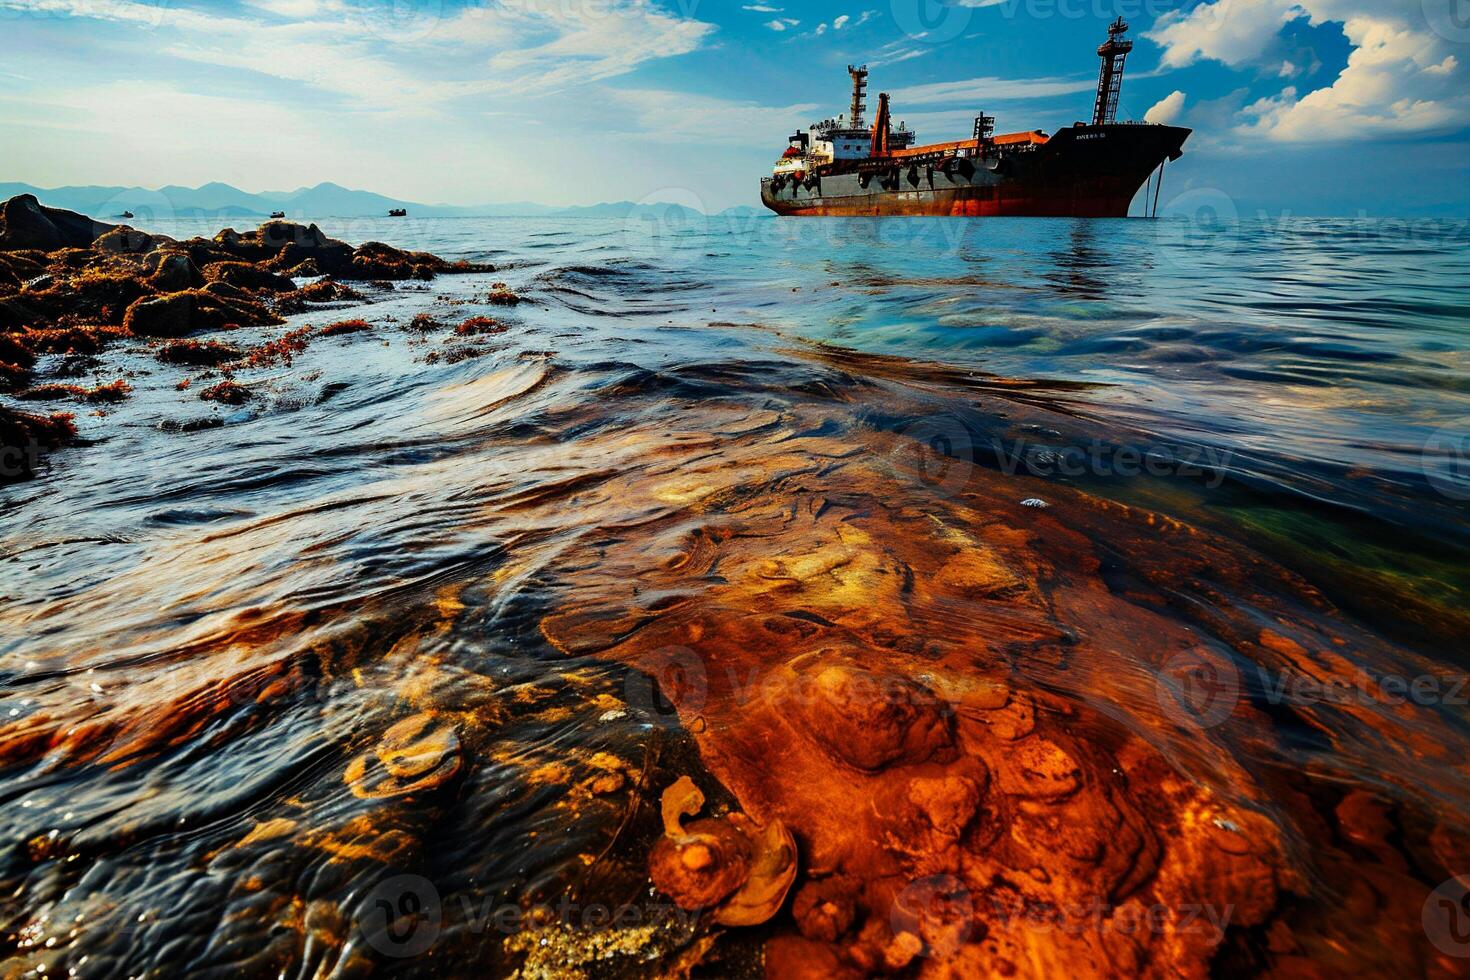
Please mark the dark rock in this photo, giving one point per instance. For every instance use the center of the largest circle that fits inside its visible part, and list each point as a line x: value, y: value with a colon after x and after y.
x: 124, y: 240
x: 286, y: 245
x: 247, y: 276
x: 23, y: 438
x: 171, y: 272
x: 26, y: 224
x: 307, y: 269
x: 17, y: 267
x: 182, y: 313
x: 198, y: 353
x: 225, y: 291
x: 16, y: 312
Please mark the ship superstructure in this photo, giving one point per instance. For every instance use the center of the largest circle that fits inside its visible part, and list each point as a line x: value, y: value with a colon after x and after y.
x: 844, y: 166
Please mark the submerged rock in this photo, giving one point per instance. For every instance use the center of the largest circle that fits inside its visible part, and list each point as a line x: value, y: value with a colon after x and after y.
x: 171, y: 272
x: 244, y: 275
x: 191, y: 311
x: 414, y: 755
x: 730, y: 862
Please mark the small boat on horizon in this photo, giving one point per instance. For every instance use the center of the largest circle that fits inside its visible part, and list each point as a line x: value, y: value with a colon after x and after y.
x: 397, y: 212
x: 278, y: 214
x: 126, y: 214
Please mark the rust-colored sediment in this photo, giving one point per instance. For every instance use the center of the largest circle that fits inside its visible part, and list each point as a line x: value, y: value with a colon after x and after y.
x: 917, y: 679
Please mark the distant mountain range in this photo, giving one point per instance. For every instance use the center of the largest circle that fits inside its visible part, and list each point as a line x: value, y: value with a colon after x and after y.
x: 326, y: 200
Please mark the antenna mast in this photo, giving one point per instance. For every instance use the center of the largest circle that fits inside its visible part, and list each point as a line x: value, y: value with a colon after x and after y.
x: 1110, y: 79
x: 859, y: 96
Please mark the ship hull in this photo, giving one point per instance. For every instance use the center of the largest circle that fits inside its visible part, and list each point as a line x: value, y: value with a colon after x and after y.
x: 1081, y: 172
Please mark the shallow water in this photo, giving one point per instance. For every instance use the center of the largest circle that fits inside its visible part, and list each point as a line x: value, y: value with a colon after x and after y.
x: 703, y: 461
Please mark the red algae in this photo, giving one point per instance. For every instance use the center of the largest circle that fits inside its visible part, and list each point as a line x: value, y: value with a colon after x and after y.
x: 479, y: 325
x: 198, y: 353
x: 226, y: 393
x: 282, y: 350
x: 114, y: 391
x: 500, y: 295
x: 345, y: 327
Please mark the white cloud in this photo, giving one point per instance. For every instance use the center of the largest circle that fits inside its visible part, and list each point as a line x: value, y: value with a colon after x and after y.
x: 840, y: 21
x: 669, y: 116
x: 775, y: 25
x: 901, y: 55
x: 390, y: 54
x: 1167, y: 110
x: 1232, y: 31
x: 821, y: 29
x: 761, y: 8
x: 1399, y: 78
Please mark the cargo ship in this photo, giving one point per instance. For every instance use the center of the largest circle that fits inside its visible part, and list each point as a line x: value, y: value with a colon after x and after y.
x: 1088, y: 170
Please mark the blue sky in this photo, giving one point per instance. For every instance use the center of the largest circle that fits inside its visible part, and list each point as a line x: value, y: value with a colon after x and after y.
x: 1310, y: 107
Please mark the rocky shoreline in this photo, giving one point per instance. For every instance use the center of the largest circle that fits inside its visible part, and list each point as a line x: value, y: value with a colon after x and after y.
x: 73, y: 286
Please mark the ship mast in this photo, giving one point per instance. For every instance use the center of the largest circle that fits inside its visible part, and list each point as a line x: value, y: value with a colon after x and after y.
x: 1110, y: 78
x: 859, y: 94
